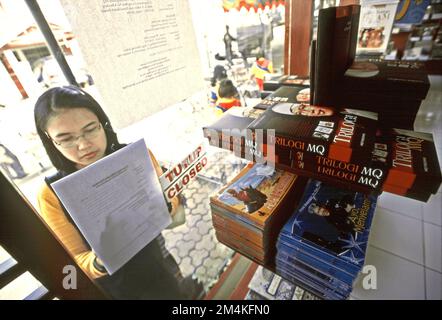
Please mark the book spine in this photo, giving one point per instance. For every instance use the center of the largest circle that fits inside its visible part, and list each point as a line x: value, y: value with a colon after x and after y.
x: 355, y: 16
x: 219, y: 220
x: 368, y: 176
x: 323, y: 257
x: 241, y: 248
x: 414, y: 164
x: 362, y: 176
x: 233, y: 237
x: 324, y: 55
x: 371, y: 176
x: 329, y: 277
x: 312, y: 71
x: 316, y: 263
x: 239, y: 215
x: 295, y: 156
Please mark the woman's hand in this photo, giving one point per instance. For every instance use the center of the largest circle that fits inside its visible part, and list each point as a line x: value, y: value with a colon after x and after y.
x: 175, y: 202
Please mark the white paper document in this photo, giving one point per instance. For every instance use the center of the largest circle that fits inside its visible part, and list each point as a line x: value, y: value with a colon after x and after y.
x: 117, y: 203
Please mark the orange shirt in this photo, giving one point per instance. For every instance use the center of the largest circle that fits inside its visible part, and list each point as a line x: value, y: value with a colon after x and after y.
x: 225, y: 104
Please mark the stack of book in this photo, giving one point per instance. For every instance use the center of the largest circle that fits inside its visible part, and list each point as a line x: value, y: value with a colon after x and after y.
x: 343, y: 147
x: 322, y: 246
x: 249, y: 212
x: 266, y: 285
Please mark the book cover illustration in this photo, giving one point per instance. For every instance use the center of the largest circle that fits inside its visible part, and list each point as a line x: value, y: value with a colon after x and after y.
x: 256, y: 192
x: 334, y: 222
x: 411, y: 11
x: 375, y: 24
x: 250, y: 211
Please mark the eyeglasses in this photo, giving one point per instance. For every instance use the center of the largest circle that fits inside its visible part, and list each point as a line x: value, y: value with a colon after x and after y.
x: 71, y: 141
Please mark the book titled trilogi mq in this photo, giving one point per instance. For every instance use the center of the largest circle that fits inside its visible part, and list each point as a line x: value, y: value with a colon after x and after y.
x: 414, y: 167
x: 345, y: 135
x: 375, y: 170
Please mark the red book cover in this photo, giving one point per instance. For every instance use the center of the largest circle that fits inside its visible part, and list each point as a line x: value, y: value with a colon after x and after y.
x: 346, y: 134
x: 414, y: 163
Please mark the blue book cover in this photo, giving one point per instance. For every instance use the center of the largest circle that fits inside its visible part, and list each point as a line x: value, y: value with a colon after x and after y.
x: 332, y: 223
x: 411, y: 12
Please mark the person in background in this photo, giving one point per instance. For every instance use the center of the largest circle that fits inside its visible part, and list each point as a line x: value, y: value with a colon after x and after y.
x: 76, y: 132
x: 252, y: 198
x: 228, y: 38
x: 228, y: 97
x: 219, y: 73
x: 260, y: 68
x: 10, y: 163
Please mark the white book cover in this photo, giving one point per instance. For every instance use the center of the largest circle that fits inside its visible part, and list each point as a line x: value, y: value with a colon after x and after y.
x: 375, y: 25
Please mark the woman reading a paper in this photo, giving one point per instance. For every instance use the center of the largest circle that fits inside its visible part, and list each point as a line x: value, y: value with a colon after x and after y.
x: 76, y: 132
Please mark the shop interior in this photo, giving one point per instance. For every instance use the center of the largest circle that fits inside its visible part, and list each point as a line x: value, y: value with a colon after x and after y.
x: 402, y: 258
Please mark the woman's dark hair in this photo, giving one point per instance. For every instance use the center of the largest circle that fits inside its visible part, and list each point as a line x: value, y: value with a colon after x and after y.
x: 227, y: 89
x: 68, y: 97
